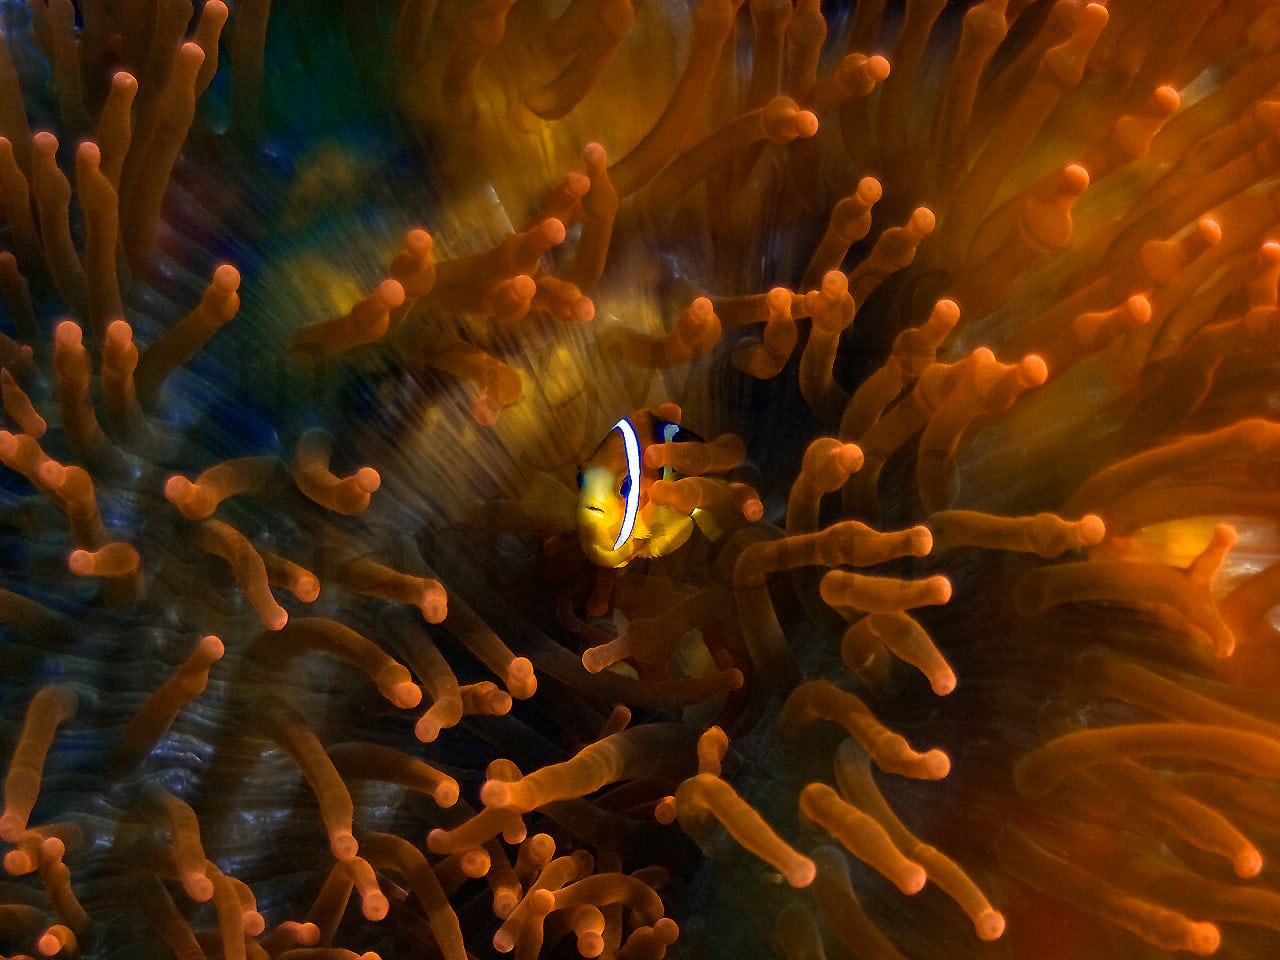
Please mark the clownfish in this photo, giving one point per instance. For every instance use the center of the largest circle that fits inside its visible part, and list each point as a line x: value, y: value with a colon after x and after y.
x: 616, y: 519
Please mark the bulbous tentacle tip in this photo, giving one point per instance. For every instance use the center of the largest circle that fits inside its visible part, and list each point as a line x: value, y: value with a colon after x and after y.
x: 849, y: 457
x: 434, y: 607
x: 1075, y: 178
x: 835, y: 283
x: 226, y: 278
x: 198, y: 887
x: 1247, y: 863
x: 45, y: 142
x: 446, y: 794
x: 88, y: 152
x: 1032, y: 371
x: 801, y: 874
x: 12, y: 826
x: 989, y: 925
x: 191, y: 500
x: 495, y: 793
x: 576, y: 183
x: 1204, y: 939
x: 665, y: 811
x: 1139, y: 308
x: 125, y: 81
x: 594, y: 155
x: 935, y: 765
x: 67, y: 335
x: 522, y: 287
x: 583, y: 310
x: 749, y: 502
x: 57, y: 939
x: 521, y: 680
x: 427, y: 728
x: 701, y: 311
x: 18, y: 863
x: 406, y: 695
x: 1092, y: 530
x: 666, y: 930
x: 552, y: 231
x: 943, y: 683
x: 119, y: 334
x: 419, y: 242
x: 438, y: 840
x: 921, y: 223
x: 343, y: 845
x: 111, y: 560
x: 368, y: 480
x: 390, y: 293
x: 921, y: 542
x: 475, y: 862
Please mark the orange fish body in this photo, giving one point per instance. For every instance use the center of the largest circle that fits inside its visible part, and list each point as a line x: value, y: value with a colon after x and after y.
x: 617, y: 521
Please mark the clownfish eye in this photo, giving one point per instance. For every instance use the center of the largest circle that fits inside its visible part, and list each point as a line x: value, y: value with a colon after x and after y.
x: 580, y: 480
x: 625, y: 489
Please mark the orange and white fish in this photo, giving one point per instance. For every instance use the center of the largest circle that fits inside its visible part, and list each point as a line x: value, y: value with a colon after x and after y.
x: 617, y: 521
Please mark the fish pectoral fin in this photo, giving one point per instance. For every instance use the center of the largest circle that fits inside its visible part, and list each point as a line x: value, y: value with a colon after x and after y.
x: 549, y: 502
x: 668, y: 531
x: 706, y: 523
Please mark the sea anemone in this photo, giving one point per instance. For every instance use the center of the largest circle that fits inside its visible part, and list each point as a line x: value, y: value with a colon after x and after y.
x: 949, y: 631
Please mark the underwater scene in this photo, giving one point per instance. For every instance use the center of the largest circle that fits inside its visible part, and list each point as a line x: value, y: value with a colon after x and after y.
x: 625, y: 479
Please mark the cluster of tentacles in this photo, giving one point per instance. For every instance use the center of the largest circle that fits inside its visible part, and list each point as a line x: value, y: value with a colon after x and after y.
x: 982, y: 306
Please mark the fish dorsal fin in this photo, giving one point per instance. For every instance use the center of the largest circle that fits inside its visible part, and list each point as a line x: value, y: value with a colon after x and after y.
x: 667, y: 432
